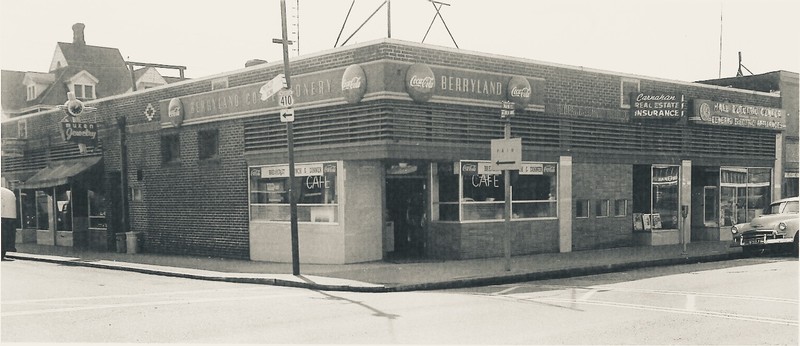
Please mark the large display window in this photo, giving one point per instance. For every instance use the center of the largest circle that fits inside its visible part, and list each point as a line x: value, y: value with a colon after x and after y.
x: 473, y: 191
x: 35, y: 208
x: 315, y: 184
x: 656, y: 204
x: 744, y: 193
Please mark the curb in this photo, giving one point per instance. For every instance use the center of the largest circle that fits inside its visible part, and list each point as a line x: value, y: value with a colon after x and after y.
x: 438, y: 285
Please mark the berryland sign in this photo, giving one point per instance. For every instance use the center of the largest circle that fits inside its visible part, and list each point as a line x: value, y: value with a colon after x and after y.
x: 421, y: 82
x: 739, y: 115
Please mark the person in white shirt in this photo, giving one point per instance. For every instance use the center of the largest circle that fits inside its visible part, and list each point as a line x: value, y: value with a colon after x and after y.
x: 8, y: 211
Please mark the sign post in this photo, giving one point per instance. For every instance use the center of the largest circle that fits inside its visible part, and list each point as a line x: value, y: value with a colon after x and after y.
x: 286, y: 100
x: 507, y: 155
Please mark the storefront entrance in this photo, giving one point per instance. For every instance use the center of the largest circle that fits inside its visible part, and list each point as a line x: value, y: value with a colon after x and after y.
x: 405, y: 210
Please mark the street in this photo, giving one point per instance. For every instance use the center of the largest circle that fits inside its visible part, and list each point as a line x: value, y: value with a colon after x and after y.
x: 747, y: 301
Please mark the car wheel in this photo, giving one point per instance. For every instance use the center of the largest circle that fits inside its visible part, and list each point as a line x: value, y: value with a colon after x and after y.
x: 796, y: 245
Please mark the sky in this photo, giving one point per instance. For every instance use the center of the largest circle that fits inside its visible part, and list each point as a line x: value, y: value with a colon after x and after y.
x: 684, y: 40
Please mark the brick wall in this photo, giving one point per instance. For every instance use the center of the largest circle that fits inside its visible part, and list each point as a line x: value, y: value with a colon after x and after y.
x: 601, y: 182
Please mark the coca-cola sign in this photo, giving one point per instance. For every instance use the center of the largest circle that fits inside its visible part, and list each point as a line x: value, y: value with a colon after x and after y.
x: 420, y: 82
x: 354, y: 83
x: 175, y: 112
x: 519, y: 91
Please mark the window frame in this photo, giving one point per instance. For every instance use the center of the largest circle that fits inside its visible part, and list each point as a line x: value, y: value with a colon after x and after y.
x: 492, y: 206
x: 586, y: 207
x: 624, y: 97
x: 173, y: 149
x: 318, y: 213
x: 601, y: 208
x: 205, y: 139
x: 624, y: 208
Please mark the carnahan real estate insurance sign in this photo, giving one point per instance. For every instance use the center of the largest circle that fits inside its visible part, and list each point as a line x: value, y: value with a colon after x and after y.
x: 739, y: 115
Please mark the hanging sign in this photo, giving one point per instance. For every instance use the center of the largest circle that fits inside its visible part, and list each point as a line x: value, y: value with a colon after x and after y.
x: 81, y: 133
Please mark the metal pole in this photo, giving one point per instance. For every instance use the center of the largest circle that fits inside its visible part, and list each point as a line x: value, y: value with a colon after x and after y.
x: 507, y: 213
x: 290, y: 137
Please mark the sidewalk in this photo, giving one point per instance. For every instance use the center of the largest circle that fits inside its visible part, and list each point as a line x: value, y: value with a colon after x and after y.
x: 386, y: 276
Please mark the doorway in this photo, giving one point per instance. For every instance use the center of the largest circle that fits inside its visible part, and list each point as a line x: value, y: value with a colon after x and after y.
x: 406, y: 211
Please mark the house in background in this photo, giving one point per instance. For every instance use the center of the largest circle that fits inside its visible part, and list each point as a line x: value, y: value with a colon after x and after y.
x: 91, y: 72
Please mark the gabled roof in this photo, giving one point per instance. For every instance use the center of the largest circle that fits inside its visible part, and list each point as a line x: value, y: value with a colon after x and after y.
x: 106, y: 64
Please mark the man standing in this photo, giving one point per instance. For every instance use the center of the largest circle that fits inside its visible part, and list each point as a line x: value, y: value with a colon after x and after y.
x: 8, y: 206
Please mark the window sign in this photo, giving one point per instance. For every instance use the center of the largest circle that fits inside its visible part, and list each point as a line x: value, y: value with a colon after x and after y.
x: 315, y: 184
x: 482, y: 191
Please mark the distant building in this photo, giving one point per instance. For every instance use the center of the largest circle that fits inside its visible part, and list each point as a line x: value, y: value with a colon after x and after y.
x: 91, y: 72
x: 785, y: 84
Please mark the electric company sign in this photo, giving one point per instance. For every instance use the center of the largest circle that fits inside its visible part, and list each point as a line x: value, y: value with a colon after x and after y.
x: 739, y: 115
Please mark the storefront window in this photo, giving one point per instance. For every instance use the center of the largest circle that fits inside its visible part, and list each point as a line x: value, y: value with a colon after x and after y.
x: 42, y: 211
x: 315, y: 184
x: 63, y: 209
x: 665, y: 196
x: 710, y: 206
x: 448, y: 192
x: 744, y: 193
x: 27, y: 209
x: 97, y: 210
x: 482, y: 192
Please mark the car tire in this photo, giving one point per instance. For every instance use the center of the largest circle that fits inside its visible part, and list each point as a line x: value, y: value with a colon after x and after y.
x: 796, y: 245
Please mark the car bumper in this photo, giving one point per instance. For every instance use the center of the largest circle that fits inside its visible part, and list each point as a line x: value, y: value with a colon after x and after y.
x: 761, y: 238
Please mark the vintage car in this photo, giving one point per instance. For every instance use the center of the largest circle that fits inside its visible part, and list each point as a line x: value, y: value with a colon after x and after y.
x: 777, y: 225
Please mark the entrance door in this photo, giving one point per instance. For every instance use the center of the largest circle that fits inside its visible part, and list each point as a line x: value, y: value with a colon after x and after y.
x: 405, y: 206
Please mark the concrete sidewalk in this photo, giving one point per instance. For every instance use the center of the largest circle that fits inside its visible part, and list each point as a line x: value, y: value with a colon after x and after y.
x: 387, y: 276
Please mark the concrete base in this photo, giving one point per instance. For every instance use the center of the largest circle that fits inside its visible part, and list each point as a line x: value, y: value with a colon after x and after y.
x: 26, y: 236
x: 657, y: 237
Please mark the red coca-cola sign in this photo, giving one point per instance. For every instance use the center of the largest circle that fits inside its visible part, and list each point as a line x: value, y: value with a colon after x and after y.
x: 519, y: 91
x: 420, y: 82
x: 354, y: 83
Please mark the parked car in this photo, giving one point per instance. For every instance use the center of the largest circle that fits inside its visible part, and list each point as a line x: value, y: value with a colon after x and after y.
x: 778, y: 224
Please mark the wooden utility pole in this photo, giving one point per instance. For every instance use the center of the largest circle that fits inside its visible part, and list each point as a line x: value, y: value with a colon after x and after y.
x: 290, y: 139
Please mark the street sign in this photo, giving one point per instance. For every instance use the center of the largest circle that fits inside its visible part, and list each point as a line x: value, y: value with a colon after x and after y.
x: 285, y: 98
x: 507, y: 110
x: 273, y: 86
x: 287, y: 115
x: 507, y: 154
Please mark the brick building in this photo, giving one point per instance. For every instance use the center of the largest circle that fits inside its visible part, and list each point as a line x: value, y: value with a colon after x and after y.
x: 392, y: 144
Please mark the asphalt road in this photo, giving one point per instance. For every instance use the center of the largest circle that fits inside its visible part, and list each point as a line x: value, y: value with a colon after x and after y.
x: 751, y: 301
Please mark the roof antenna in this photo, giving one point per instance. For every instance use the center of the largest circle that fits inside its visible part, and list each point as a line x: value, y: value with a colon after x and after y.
x: 362, y: 24
x: 437, y: 5
x: 739, y: 73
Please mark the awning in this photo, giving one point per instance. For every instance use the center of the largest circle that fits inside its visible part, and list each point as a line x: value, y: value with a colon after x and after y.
x: 61, y: 172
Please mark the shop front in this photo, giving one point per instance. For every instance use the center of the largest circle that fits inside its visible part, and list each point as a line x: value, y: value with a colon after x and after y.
x: 64, y: 203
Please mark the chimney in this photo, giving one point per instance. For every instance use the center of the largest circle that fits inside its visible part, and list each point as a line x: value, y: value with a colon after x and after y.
x: 77, y: 34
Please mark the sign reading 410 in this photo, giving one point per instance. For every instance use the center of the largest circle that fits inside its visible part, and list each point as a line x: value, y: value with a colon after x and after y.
x: 286, y: 98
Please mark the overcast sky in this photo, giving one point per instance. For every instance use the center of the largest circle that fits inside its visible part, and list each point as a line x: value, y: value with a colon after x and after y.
x: 678, y: 39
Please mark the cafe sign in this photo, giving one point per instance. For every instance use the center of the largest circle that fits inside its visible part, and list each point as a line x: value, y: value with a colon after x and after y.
x: 653, y: 106
x: 739, y: 115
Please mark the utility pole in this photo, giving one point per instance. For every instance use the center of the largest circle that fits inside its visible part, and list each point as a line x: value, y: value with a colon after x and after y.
x: 290, y: 139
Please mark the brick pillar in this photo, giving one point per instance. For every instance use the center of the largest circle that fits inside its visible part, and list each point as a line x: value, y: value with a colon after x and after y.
x: 565, y: 204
